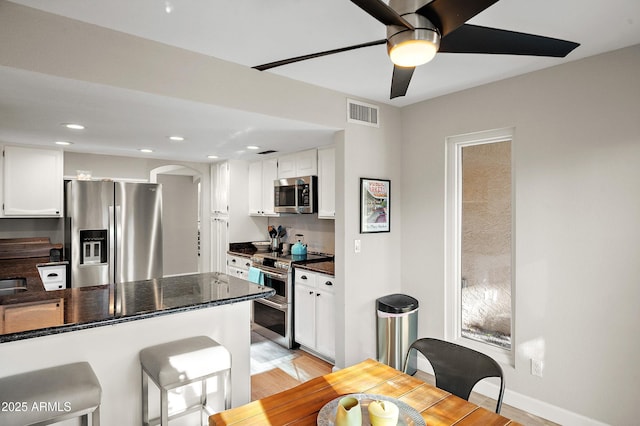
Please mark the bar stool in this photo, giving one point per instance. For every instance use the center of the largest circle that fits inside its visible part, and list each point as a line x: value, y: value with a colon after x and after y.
x: 175, y: 364
x: 51, y: 395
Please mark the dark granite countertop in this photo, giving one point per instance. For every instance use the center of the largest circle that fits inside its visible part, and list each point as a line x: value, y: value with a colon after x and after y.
x: 326, y: 267
x: 95, y: 306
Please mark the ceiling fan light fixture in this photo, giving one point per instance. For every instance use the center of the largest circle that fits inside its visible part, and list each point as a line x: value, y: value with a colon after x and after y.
x: 412, y: 53
x: 409, y: 48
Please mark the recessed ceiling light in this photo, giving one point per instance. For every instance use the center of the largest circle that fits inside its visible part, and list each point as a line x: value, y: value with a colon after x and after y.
x: 73, y: 126
x: 146, y: 150
x: 253, y: 147
x: 212, y: 157
x: 65, y: 143
x: 176, y: 138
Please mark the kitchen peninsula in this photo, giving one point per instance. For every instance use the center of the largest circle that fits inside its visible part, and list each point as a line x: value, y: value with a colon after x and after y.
x: 108, y: 326
x: 95, y: 306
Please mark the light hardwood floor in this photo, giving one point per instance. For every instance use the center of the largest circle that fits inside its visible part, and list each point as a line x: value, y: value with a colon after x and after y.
x: 274, y: 369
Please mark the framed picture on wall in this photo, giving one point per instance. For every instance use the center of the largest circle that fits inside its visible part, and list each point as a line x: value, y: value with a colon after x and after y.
x: 374, y: 205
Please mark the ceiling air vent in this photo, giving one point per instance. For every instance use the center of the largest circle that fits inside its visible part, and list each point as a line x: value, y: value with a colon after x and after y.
x: 361, y: 113
x: 269, y: 151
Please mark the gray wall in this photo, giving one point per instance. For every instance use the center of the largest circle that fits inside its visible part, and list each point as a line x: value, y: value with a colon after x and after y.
x: 576, y: 162
x: 180, y: 224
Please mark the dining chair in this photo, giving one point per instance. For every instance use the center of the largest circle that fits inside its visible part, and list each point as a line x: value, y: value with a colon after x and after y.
x: 457, y: 368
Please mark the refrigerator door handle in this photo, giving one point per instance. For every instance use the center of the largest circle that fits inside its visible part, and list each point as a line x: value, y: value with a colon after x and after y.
x: 112, y: 247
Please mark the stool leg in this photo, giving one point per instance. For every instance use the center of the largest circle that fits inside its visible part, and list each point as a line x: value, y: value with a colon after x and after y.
x: 203, y: 400
x: 145, y: 398
x: 164, y: 407
x: 227, y: 389
x: 95, y: 417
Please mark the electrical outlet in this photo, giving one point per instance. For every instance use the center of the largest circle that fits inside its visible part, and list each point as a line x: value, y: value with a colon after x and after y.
x: 356, y: 246
x: 537, y: 365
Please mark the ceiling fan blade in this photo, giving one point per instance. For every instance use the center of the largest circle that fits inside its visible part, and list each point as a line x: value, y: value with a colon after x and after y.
x: 270, y: 65
x: 475, y: 39
x: 382, y: 12
x: 448, y: 15
x: 400, y: 80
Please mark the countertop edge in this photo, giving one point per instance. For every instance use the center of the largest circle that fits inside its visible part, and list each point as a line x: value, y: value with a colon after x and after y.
x: 319, y: 267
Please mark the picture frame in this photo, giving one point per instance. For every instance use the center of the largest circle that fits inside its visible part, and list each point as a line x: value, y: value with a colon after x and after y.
x: 375, y: 205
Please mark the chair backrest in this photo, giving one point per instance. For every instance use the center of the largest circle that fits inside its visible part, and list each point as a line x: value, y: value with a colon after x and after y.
x: 457, y: 368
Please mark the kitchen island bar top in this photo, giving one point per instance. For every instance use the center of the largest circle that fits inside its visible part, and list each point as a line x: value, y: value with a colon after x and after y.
x: 96, y: 306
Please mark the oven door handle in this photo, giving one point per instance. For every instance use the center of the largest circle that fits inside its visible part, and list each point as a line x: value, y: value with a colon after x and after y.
x: 274, y: 305
x: 275, y: 275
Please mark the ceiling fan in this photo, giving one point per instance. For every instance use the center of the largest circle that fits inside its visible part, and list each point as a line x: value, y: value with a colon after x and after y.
x: 417, y: 29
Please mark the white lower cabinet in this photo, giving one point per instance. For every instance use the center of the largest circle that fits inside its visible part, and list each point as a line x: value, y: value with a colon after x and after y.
x: 238, y: 266
x: 314, y: 310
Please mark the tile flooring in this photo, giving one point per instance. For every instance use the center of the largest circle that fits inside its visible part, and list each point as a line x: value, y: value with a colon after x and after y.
x: 274, y: 369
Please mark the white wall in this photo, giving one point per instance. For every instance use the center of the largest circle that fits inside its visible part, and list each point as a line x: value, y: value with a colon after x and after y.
x: 576, y: 156
x: 364, y: 151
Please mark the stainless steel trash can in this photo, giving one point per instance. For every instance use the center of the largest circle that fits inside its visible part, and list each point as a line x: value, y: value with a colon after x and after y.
x: 397, y: 329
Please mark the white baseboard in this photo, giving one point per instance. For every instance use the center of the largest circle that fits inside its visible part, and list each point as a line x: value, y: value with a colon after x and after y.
x: 525, y: 403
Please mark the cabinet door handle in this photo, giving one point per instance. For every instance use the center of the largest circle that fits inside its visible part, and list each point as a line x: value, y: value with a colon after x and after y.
x: 310, y: 292
x: 233, y: 261
x: 303, y: 277
x: 328, y: 283
x: 247, y: 264
x: 318, y: 294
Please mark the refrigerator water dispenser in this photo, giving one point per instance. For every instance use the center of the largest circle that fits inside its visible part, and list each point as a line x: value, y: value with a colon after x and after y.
x: 94, y: 246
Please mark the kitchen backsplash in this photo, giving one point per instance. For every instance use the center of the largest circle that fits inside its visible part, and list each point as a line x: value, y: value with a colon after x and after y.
x: 40, y: 227
x: 319, y: 234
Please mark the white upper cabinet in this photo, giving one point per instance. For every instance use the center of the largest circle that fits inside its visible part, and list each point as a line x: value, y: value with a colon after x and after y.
x: 327, y: 183
x: 32, y: 182
x: 304, y: 163
x: 287, y: 166
x: 220, y: 188
x: 261, y: 177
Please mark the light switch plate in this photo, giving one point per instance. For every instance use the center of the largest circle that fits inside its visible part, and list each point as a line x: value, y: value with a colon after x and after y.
x: 537, y: 365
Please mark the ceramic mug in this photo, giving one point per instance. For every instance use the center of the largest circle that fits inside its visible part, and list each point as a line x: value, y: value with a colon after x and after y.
x: 383, y: 413
x: 348, y: 412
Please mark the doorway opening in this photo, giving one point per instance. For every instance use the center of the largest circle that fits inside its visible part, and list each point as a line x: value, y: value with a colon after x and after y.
x: 181, y: 216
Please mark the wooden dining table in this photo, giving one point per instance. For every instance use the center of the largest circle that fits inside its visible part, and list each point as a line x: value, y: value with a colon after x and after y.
x: 300, y: 405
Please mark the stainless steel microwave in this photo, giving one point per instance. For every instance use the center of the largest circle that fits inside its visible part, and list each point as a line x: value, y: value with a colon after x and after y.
x: 296, y: 195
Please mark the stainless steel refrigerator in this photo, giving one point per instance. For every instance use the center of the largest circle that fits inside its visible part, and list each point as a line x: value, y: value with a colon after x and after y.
x: 113, y: 231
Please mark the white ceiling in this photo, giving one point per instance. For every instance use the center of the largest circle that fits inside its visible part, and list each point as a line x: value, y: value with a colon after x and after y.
x: 121, y: 122
x: 253, y: 32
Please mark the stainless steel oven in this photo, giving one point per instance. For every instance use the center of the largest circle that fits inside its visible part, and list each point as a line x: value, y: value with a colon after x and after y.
x: 280, y: 281
x: 274, y: 321
x: 273, y: 316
